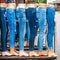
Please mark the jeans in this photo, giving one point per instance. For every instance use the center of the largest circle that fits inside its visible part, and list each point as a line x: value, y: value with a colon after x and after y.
x: 33, y: 25
x: 27, y: 31
x: 51, y: 26
x: 3, y: 28
x: 20, y: 13
x: 10, y: 13
x: 17, y: 30
x: 41, y: 16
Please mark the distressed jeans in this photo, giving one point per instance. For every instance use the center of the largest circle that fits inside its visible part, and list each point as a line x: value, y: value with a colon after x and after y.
x: 21, y: 15
x: 33, y: 25
x: 10, y: 13
x: 41, y: 16
x: 50, y: 13
x: 3, y: 29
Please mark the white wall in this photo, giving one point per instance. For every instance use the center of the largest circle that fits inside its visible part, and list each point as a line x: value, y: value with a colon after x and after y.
x: 50, y: 1
x: 57, y: 34
x: 57, y: 0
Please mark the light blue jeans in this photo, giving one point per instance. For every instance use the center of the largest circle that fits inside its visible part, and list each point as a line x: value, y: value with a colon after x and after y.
x: 3, y: 29
x: 10, y: 13
x: 21, y: 15
x: 33, y: 25
x: 41, y: 16
x: 51, y: 26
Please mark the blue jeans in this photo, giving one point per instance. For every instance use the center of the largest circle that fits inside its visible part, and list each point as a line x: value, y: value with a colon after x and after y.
x: 17, y: 30
x: 3, y: 28
x: 27, y: 31
x: 20, y: 13
x: 51, y: 26
x: 41, y: 16
x: 10, y: 13
x: 33, y: 25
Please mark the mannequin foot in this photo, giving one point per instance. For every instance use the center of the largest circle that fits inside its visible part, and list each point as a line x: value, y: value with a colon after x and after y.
x: 6, y: 53
x: 32, y: 53
x: 42, y: 53
x: 51, y: 53
x: 17, y: 51
x: 12, y: 51
x: 23, y: 53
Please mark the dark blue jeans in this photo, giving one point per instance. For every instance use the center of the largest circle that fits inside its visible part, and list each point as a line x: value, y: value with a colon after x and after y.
x: 33, y: 25
x: 17, y: 28
x: 51, y: 26
x: 10, y: 13
x: 20, y: 13
x: 27, y: 31
x: 3, y: 28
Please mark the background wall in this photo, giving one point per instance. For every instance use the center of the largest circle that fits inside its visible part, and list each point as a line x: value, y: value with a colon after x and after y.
x: 57, y: 34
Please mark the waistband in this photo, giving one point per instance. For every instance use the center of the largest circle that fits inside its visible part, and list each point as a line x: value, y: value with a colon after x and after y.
x: 11, y: 5
x: 50, y: 5
x: 21, y: 5
x: 3, y: 5
x: 42, y: 5
x: 30, y: 5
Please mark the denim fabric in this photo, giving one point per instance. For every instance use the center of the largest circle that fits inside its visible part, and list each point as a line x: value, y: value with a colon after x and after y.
x: 3, y: 28
x: 41, y: 16
x: 20, y: 13
x: 27, y: 31
x: 17, y: 30
x: 51, y: 26
x: 33, y: 25
x: 10, y: 13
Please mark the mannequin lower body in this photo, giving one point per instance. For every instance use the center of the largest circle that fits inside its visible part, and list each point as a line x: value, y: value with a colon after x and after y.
x: 3, y: 32
x: 10, y: 13
x: 31, y: 17
x: 20, y: 13
x: 41, y: 15
x: 51, y: 30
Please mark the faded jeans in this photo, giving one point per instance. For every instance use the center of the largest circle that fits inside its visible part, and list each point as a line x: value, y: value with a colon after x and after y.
x: 20, y: 13
x: 41, y: 16
x: 10, y: 13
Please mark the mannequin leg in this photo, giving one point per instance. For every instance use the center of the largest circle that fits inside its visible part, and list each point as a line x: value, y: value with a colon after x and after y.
x: 12, y: 28
x: 20, y: 13
x: 31, y: 17
x: 3, y: 32
x: 51, y: 30
x: 41, y: 15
